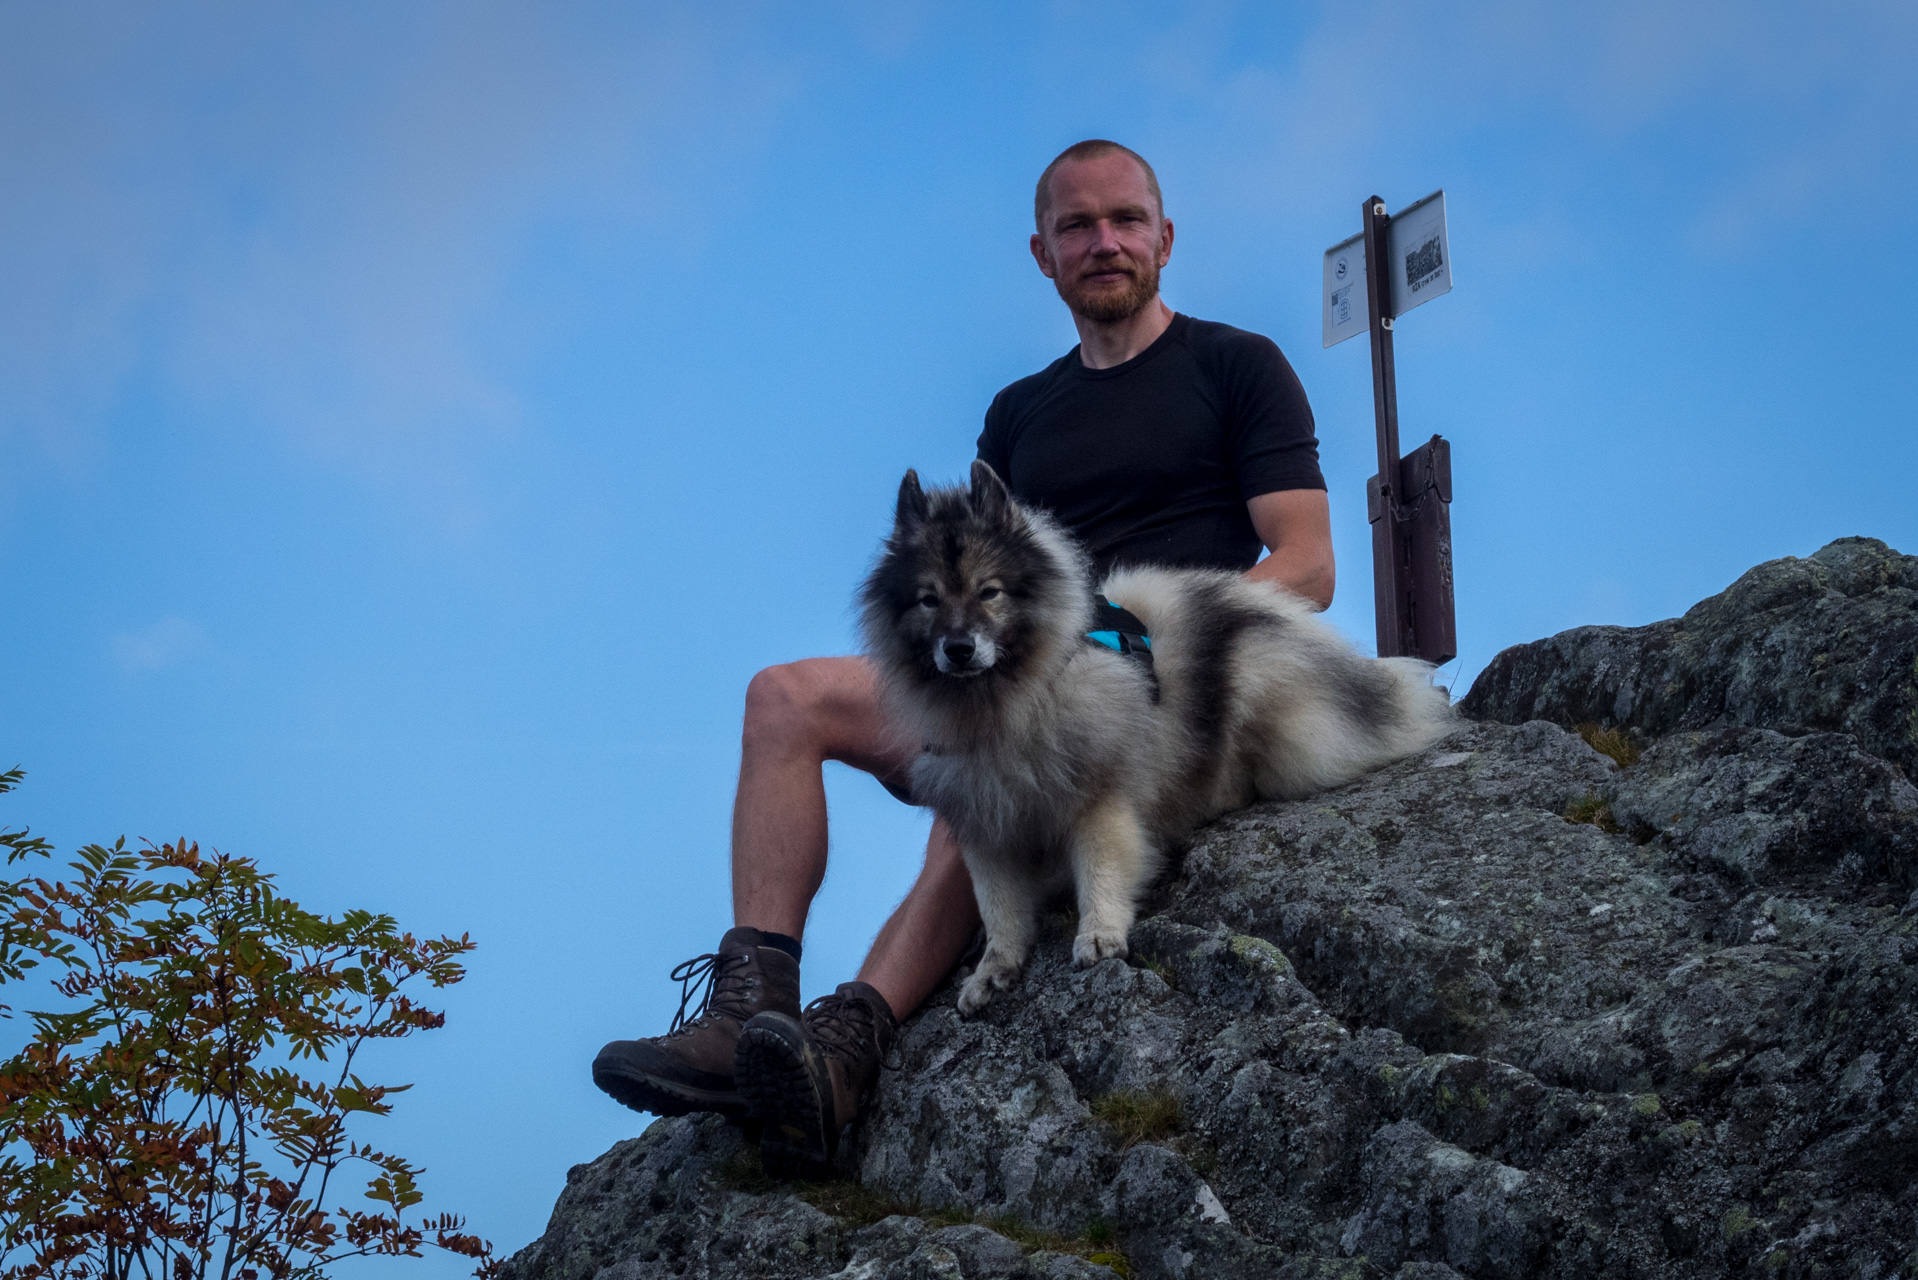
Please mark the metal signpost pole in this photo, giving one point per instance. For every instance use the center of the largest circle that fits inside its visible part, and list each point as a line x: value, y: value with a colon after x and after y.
x: 1370, y: 279
x: 1391, y: 580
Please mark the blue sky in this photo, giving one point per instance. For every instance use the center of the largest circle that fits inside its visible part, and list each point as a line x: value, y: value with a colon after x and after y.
x: 417, y: 423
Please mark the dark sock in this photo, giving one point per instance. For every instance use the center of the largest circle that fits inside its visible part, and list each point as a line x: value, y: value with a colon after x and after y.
x: 789, y: 945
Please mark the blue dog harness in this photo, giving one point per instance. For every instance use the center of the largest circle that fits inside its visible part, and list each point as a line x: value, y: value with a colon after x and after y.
x: 1121, y: 631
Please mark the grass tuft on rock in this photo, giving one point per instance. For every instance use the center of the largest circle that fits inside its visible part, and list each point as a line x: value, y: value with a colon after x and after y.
x: 847, y: 1199
x: 855, y: 1204
x: 1613, y: 742
x: 1094, y: 1246
x: 851, y: 1200
x: 742, y: 1171
x: 1592, y: 809
x: 1150, y: 1115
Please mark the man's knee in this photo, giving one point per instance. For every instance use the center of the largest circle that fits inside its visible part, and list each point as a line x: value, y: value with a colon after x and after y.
x: 799, y: 705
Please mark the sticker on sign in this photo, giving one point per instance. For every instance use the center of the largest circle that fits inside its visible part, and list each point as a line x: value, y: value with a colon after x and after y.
x: 1345, y: 314
x: 1421, y: 258
x: 1419, y: 269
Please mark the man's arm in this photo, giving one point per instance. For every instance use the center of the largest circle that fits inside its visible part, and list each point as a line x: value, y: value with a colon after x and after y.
x: 1296, y: 524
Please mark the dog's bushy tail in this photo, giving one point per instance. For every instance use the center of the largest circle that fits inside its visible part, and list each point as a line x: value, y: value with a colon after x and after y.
x: 1336, y: 716
x: 1256, y: 676
x: 1425, y: 709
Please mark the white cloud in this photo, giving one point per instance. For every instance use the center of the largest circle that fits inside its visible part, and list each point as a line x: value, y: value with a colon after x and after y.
x: 304, y: 221
x: 1773, y: 112
x: 160, y: 645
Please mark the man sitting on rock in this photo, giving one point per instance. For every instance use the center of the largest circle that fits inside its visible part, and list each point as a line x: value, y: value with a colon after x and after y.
x: 1159, y: 439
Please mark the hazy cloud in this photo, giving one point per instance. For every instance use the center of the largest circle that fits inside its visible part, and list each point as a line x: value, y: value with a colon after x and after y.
x: 160, y: 645
x: 1757, y: 112
x: 304, y: 221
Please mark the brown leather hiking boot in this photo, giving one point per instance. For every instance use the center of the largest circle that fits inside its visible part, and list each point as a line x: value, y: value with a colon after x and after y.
x: 690, y: 1068
x: 806, y: 1078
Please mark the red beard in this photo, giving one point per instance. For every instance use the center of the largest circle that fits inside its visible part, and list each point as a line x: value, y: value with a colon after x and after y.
x: 1104, y: 304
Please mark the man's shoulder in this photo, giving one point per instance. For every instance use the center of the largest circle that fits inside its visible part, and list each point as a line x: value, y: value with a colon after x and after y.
x: 1213, y: 339
x: 1016, y: 395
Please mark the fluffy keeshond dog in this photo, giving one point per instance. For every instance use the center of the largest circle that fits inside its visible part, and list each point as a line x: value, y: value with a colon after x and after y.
x: 1059, y: 761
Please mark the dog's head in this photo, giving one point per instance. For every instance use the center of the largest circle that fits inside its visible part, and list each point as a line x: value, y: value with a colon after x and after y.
x: 970, y: 587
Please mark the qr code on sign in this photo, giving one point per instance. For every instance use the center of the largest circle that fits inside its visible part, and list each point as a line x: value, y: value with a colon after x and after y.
x: 1342, y: 306
x: 1422, y: 264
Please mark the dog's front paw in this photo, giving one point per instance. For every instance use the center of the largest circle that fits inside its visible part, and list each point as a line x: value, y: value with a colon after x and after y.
x: 974, y: 995
x: 1094, y: 945
x: 994, y: 974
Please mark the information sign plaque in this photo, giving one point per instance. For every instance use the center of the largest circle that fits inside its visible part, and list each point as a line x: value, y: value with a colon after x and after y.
x: 1345, y: 313
x: 1420, y: 258
x: 1420, y: 254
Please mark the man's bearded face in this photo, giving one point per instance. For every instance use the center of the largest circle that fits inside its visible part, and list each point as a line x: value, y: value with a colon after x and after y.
x: 1104, y: 238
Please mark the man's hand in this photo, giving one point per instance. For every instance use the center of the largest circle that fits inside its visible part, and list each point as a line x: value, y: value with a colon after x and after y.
x: 1296, y: 525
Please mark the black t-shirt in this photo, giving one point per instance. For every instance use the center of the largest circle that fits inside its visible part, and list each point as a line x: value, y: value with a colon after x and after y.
x: 1152, y: 461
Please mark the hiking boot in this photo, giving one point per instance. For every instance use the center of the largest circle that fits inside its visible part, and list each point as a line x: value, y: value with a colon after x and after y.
x: 806, y: 1078
x: 690, y: 1068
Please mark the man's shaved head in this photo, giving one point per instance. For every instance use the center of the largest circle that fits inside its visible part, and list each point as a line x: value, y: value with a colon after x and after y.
x: 1090, y: 149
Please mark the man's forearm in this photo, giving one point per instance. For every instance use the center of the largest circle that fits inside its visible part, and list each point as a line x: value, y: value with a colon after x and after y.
x: 1304, y: 571
x: 1297, y: 525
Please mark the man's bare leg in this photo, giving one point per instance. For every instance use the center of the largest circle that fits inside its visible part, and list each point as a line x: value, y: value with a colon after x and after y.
x: 798, y: 716
x: 927, y: 932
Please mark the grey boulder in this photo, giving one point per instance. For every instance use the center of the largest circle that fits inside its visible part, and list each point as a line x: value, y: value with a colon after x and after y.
x: 1827, y: 643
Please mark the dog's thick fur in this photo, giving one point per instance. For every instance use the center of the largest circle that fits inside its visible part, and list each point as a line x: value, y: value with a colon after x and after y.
x: 1054, y: 760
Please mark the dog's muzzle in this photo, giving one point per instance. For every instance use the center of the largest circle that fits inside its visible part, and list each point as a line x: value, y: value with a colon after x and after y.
x: 965, y: 654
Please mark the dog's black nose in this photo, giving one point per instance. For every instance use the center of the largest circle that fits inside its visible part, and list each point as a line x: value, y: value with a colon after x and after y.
x: 958, y: 649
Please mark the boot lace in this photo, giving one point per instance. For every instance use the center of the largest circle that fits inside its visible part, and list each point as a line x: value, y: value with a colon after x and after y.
x: 844, y: 1028
x: 706, y: 979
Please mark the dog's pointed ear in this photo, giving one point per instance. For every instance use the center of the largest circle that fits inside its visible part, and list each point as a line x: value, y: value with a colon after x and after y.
x: 913, y: 506
x: 989, y: 496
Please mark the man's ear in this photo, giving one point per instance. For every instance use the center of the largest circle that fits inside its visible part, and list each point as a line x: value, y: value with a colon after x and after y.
x: 989, y: 496
x: 913, y: 506
x: 1043, y: 256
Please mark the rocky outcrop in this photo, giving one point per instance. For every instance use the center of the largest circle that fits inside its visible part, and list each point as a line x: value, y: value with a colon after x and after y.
x: 1824, y: 643
x: 1426, y: 1025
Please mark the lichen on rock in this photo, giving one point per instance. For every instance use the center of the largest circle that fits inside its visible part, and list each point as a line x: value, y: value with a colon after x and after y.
x: 1424, y: 1025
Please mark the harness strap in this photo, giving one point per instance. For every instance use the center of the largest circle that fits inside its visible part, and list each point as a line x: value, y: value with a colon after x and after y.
x: 1121, y: 631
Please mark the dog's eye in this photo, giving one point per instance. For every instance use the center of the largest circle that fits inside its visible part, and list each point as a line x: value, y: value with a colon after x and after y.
x: 989, y: 593
x: 929, y: 600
